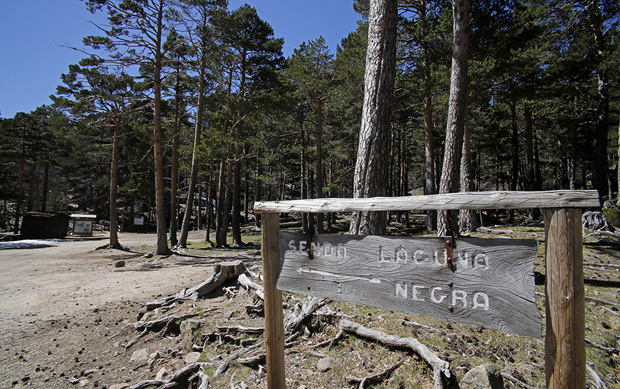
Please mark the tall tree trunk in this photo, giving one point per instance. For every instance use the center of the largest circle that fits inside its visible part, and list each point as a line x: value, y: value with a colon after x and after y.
x: 209, y: 211
x: 20, y: 185
x: 429, y: 148
x: 160, y: 205
x: 530, y: 182
x: 467, y: 217
x: 258, y: 185
x: 174, y: 168
x: 456, y: 111
x: 601, y: 170
x: 514, y: 176
x: 46, y: 176
x: 618, y: 201
x: 116, y: 138
x: 319, y: 161
x: 221, y: 225
x: 304, y: 180
x: 371, y: 164
x: 189, y: 203
x: 33, y: 184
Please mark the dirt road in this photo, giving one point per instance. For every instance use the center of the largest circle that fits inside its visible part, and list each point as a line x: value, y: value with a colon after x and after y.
x: 63, y: 306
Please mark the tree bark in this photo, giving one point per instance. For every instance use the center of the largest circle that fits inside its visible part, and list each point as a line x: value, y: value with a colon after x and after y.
x: 601, y: 169
x: 114, y: 187
x: 371, y: 164
x: 174, y: 169
x: 160, y: 206
x: 429, y: 148
x: 319, y: 161
x: 189, y: 203
x: 456, y: 111
x: 467, y: 217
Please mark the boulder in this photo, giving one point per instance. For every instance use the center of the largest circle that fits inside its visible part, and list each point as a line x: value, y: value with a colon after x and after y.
x: 482, y: 377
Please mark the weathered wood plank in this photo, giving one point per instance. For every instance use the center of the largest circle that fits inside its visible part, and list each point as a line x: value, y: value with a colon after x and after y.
x: 565, y: 353
x: 491, y: 283
x: 450, y: 201
x: 274, y: 316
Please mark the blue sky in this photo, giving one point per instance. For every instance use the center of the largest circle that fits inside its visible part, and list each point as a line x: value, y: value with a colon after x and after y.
x: 32, y: 33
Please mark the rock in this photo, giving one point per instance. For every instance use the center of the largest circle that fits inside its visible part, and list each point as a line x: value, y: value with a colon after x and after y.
x: 153, y: 357
x: 118, y: 386
x: 325, y: 364
x: 119, y: 264
x: 482, y: 377
x: 187, y: 329
x: 192, y: 357
x: 140, y: 355
x: 161, y: 374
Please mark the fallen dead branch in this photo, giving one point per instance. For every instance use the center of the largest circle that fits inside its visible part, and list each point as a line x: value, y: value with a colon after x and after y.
x: 608, y: 350
x: 594, y: 299
x: 486, y: 230
x: 295, y: 319
x: 604, y: 265
x: 440, y: 367
x: 330, y: 342
x: 596, y: 379
x: 180, y: 378
x: 422, y: 326
x: 222, y: 272
x: 516, y: 381
x: 373, y: 379
x: 242, y: 330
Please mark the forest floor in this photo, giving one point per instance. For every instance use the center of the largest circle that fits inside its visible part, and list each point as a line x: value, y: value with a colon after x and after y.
x: 66, y: 308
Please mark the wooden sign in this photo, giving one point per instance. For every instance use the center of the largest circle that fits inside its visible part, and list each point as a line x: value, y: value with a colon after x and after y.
x: 489, y: 283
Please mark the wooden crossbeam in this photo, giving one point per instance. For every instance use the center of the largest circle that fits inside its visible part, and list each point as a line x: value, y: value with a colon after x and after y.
x: 449, y: 201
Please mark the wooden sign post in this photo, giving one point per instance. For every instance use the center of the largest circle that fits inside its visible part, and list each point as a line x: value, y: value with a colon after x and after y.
x: 413, y: 275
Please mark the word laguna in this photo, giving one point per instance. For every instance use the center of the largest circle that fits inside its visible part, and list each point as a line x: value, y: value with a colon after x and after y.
x: 488, y: 282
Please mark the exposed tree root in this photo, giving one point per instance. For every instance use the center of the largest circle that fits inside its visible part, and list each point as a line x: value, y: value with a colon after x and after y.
x: 373, y: 379
x: 440, y: 367
x: 295, y: 320
x: 222, y: 273
x: 164, y: 324
x: 179, y: 379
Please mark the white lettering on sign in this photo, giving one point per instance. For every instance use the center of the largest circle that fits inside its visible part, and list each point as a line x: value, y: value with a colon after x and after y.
x: 461, y: 259
x: 455, y: 297
x: 325, y: 249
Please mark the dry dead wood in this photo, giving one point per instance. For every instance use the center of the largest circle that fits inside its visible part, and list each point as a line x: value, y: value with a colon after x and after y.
x: 224, y: 365
x: 373, y: 379
x: 608, y: 350
x: 296, y: 319
x: 242, y: 330
x: 422, y: 327
x: 440, y: 367
x: 222, y: 272
x: 594, y: 299
x: 596, y: 379
x: 249, y: 284
x: 516, y: 381
x: 179, y: 379
x: 330, y: 342
x: 164, y: 324
x: 486, y: 230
